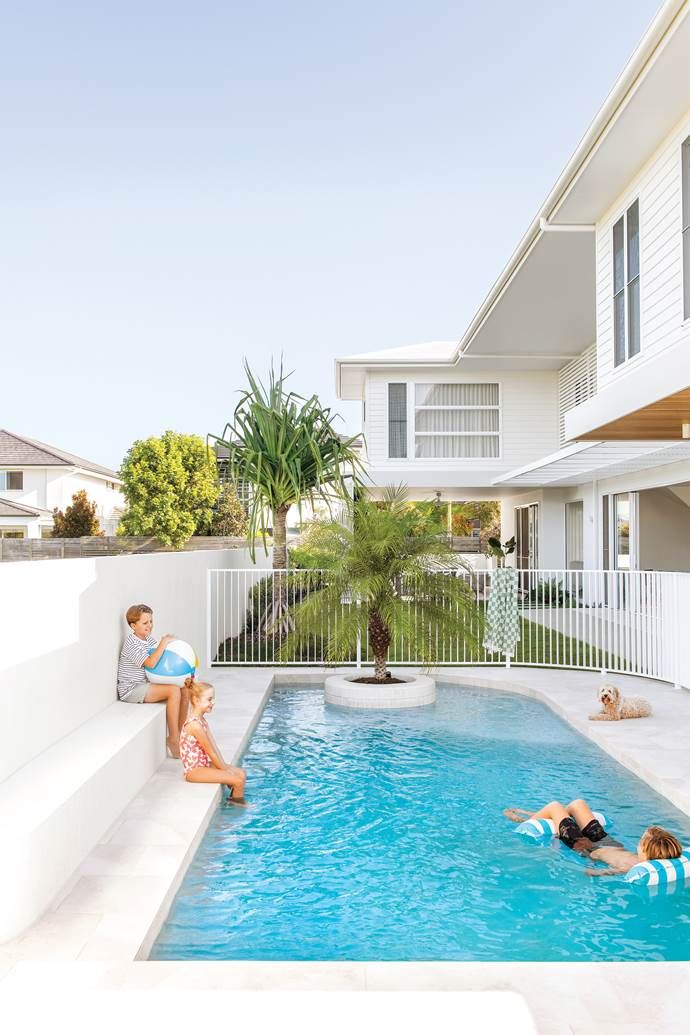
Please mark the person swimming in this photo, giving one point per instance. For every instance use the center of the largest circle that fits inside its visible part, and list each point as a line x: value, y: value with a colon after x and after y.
x: 579, y: 829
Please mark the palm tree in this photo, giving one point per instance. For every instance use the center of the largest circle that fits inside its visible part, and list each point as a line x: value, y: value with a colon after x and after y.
x: 382, y: 581
x: 287, y: 449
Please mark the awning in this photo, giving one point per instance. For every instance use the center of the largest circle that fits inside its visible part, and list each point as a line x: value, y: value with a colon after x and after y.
x: 584, y: 461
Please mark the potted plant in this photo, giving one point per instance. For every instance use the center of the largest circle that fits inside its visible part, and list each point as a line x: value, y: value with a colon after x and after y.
x: 383, y: 577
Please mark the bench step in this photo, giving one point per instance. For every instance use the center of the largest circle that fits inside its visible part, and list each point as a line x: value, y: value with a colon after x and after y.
x: 57, y: 807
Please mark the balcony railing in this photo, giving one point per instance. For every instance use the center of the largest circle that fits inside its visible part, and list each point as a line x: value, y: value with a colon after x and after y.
x: 611, y: 621
x: 577, y: 382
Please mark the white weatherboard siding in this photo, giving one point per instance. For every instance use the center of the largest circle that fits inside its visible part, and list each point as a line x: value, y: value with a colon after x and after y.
x: 658, y: 187
x: 528, y: 422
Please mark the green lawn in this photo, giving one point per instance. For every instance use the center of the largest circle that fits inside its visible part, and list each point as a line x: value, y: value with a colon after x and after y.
x: 537, y: 646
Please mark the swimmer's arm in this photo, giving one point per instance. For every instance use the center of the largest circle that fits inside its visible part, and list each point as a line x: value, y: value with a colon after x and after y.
x: 610, y: 871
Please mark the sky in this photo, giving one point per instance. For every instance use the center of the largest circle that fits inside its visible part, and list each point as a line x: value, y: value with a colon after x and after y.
x: 186, y: 185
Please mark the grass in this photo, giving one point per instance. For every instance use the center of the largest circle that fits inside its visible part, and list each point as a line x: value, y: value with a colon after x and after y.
x: 537, y: 646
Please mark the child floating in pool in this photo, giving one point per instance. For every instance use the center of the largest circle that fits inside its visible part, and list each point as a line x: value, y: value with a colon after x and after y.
x: 580, y: 830
x: 201, y: 758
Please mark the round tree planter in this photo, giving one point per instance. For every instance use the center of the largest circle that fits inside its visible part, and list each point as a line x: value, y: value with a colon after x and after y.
x: 413, y: 693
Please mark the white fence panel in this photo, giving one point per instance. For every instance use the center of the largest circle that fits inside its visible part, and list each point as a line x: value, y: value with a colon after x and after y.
x: 612, y: 621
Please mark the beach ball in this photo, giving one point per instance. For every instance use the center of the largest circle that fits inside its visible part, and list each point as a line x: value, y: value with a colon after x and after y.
x: 177, y: 661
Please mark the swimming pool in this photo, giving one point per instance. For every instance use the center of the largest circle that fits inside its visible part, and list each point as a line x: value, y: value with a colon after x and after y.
x: 379, y: 836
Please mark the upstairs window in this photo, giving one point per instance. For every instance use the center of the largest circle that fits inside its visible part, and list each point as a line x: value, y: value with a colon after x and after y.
x: 626, y: 285
x: 11, y: 480
x: 397, y: 420
x: 686, y: 229
x: 457, y: 421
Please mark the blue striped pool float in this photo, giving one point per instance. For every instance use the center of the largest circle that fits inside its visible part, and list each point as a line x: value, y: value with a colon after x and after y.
x: 660, y: 872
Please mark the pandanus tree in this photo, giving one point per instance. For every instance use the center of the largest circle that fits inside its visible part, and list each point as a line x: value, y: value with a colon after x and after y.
x: 382, y: 579
x: 286, y: 448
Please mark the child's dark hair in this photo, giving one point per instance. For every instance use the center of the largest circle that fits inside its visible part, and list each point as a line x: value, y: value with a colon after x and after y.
x: 134, y: 613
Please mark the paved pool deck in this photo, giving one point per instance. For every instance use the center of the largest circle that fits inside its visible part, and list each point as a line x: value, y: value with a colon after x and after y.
x: 99, y: 931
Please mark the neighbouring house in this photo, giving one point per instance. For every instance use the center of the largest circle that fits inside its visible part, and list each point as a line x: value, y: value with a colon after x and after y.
x: 35, y: 478
x: 568, y: 396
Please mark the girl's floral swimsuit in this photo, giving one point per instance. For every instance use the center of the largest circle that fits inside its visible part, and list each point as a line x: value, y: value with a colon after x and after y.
x: 192, y: 754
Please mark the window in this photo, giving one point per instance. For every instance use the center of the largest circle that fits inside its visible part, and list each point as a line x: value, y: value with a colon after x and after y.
x: 626, y: 285
x: 11, y: 480
x: 686, y: 229
x: 11, y: 533
x: 458, y: 421
x: 397, y: 420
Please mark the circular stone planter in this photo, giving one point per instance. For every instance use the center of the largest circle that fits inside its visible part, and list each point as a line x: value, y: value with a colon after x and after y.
x: 413, y: 693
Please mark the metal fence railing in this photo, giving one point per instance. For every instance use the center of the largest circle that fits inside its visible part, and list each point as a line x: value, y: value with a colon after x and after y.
x: 613, y: 621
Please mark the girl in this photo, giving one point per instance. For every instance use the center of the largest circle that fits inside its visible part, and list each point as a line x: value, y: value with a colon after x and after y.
x: 201, y: 757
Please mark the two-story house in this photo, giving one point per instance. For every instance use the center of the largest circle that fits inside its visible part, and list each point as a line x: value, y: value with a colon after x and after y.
x: 35, y: 478
x: 568, y: 396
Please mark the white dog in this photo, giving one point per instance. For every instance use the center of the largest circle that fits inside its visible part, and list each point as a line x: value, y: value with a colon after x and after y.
x: 614, y: 706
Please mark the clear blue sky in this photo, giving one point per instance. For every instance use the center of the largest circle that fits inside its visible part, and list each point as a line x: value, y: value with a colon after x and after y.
x: 186, y: 184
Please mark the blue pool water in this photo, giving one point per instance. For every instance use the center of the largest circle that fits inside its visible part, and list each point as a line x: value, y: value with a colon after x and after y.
x: 379, y: 836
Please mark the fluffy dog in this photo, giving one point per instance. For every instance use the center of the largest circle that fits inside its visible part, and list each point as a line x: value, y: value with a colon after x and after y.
x: 615, y: 707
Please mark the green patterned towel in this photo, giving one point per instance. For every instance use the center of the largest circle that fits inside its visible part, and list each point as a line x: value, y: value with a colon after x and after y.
x: 502, y: 623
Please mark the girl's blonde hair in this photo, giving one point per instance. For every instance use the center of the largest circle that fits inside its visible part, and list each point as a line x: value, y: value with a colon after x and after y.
x: 657, y: 843
x: 196, y: 689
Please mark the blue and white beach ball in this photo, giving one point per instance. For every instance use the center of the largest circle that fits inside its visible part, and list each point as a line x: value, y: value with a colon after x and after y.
x: 177, y: 661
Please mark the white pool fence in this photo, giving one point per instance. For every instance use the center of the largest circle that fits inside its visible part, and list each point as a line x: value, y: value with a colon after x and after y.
x: 635, y: 622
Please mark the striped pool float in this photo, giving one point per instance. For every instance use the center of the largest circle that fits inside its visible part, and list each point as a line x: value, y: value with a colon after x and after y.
x: 542, y: 830
x: 660, y: 872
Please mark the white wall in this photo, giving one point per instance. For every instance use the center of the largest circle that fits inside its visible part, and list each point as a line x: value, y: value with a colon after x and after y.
x: 658, y: 187
x: 62, y: 624
x: 529, y: 426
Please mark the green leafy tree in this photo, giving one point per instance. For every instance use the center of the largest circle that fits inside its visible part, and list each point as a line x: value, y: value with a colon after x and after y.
x: 286, y: 447
x: 487, y: 512
x: 77, y: 520
x: 380, y: 582
x: 229, y: 516
x: 170, y: 484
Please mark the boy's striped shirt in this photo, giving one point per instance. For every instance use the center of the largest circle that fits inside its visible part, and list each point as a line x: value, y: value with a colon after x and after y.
x: 132, y: 657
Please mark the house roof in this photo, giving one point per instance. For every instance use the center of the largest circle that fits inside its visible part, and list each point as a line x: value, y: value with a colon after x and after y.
x: 19, y: 451
x: 541, y: 309
x: 9, y: 508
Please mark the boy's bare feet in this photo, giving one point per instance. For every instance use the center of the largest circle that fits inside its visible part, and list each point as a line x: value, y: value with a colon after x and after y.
x: 173, y: 748
x: 240, y: 802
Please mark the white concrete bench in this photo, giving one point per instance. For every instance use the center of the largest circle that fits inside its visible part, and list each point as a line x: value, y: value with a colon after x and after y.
x: 57, y: 807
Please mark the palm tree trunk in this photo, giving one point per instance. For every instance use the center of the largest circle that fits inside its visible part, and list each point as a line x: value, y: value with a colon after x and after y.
x: 280, y: 538
x: 380, y: 640
x: 279, y: 621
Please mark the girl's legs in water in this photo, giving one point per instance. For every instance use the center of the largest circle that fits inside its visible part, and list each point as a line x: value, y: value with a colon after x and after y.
x: 232, y: 777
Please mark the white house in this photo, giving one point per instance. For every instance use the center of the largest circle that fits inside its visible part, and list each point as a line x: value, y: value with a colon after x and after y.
x: 35, y: 478
x: 568, y: 396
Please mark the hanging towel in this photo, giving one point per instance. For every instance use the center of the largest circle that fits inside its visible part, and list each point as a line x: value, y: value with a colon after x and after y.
x: 502, y: 624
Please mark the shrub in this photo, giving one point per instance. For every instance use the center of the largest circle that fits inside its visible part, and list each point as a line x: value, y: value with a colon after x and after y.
x: 78, y: 519
x: 229, y: 515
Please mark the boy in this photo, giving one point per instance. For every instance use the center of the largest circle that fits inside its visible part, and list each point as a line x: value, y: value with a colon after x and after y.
x: 132, y: 687
x: 579, y: 828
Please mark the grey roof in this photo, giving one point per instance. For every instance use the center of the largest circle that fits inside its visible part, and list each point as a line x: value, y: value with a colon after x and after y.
x: 19, y: 451
x: 8, y: 508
